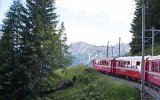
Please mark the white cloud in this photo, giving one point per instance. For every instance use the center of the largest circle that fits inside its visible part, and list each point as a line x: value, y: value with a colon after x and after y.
x: 117, y: 10
x: 97, y: 21
x: 93, y: 21
x: 95, y: 36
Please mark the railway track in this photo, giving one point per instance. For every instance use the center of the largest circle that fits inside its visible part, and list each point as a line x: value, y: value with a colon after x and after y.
x: 150, y: 91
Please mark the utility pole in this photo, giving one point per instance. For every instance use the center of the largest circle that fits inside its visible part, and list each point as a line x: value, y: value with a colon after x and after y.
x: 119, y: 47
x: 107, y: 49
x: 153, y: 40
x: 153, y: 30
x: 112, y: 51
x: 143, y: 50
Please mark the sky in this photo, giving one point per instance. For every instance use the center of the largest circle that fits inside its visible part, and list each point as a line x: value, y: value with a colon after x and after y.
x: 93, y: 21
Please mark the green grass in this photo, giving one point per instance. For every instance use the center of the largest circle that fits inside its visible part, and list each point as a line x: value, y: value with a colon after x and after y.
x: 69, y: 72
x: 91, y: 85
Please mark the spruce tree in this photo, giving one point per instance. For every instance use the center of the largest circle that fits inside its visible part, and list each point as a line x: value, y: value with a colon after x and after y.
x: 65, y: 56
x: 13, y: 76
x: 31, y: 48
x: 152, y: 13
x: 44, y: 46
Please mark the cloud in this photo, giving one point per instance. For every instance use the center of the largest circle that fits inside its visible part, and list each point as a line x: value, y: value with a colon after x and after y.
x: 97, y: 21
x: 116, y: 10
x: 95, y: 36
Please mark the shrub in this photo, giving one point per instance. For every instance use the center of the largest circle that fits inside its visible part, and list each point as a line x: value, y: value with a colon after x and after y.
x: 87, y: 75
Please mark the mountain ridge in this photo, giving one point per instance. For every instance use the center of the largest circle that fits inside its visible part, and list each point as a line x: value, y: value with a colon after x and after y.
x: 81, y: 51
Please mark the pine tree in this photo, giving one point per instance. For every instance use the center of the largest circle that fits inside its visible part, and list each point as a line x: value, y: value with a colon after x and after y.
x: 45, y: 45
x: 152, y: 13
x: 31, y: 48
x: 12, y: 71
x: 65, y: 58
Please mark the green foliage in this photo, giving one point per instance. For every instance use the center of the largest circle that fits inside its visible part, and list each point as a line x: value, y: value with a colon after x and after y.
x: 13, y: 72
x: 69, y: 72
x: 31, y: 48
x: 104, y: 88
x: 149, y: 50
x: 152, y: 13
x: 64, y: 57
x: 90, y: 85
x: 87, y: 75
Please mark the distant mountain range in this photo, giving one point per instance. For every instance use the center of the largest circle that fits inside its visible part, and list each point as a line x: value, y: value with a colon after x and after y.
x: 83, y: 52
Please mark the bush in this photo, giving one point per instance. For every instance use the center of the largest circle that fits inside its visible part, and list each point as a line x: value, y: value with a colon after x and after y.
x: 87, y: 75
x: 64, y: 84
x: 90, y: 85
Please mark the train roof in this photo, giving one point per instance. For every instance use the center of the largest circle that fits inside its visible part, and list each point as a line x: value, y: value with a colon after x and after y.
x: 131, y: 58
x: 154, y: 57
x: 105, y: 58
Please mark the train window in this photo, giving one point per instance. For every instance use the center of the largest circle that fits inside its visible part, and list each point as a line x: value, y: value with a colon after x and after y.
x: 127, y: 64
x: 118, y: 63
x: 131, y: 64
x: 123, y: 64
x: 107, y: 63
x: 103, y: 62
x: 152, y: 66
x: 156, y: 67
x: 137, y: 65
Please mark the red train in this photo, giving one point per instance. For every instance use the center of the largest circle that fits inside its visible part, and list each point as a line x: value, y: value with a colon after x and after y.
x: 131, y: 67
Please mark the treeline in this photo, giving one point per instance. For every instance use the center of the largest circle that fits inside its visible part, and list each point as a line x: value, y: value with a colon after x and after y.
x: 32, y: 46
x: 152, y: 19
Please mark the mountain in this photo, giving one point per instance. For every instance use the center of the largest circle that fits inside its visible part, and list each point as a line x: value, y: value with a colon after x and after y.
x: 83, y: 52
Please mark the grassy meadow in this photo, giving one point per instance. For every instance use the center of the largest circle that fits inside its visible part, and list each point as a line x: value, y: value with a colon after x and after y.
x: 91, y: 85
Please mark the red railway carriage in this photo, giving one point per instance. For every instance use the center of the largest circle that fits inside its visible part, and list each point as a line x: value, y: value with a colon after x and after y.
x: 153, y: 70
x: 128, y: 66
x: 103, y: 64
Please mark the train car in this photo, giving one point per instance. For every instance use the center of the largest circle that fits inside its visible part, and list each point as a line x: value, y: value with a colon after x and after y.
x: 103, y: 64
x: 128, y: 66
x: 153, y: 70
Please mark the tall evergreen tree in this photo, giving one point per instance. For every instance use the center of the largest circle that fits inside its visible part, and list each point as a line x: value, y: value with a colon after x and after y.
x: 41, y: 43
x: 46, y: 44
x: 65, y: 56
x: 152, y: 13
x: 136, y: 29
x: 31, y: 48
x: 12, y: 70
